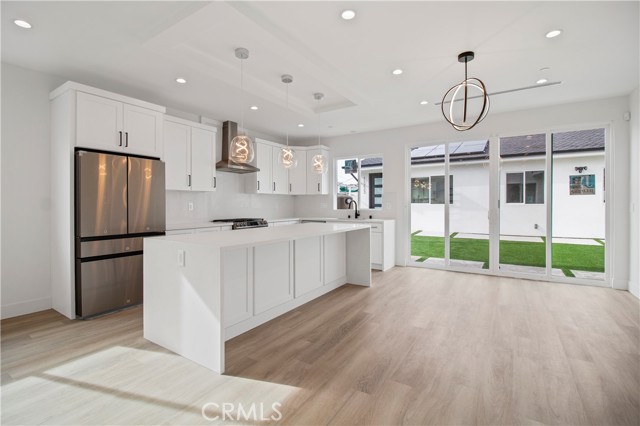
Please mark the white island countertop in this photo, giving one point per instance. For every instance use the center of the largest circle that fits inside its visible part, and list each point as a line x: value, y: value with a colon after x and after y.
x: 258, y: 236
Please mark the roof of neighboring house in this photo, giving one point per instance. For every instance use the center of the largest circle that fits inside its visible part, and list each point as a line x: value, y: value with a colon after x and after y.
x: 514, y: 146
x: 371, y: 162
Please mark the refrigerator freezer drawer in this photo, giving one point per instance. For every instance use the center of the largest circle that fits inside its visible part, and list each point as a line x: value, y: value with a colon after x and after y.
x: 108, y: 284
x: 107, y: 247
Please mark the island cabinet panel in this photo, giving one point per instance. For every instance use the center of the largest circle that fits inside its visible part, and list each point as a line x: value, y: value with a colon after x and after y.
x: 335, y: 258
x: 237, y: 285
x: 307, y: 265
x: 272, y: 275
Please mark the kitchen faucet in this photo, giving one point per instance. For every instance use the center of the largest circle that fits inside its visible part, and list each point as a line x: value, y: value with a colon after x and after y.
x: 351, y: 201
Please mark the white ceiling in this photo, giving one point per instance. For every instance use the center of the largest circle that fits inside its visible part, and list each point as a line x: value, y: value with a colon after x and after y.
x: 141, y: 47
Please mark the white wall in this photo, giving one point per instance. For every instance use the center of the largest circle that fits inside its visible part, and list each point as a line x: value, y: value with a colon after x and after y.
x: 26, y: 197
x: 634, y: 160
x: 394, y: 144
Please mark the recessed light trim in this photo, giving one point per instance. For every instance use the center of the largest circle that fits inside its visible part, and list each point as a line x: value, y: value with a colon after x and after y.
x: 348, y: 14
x: 254, y: 107
x: 553, y: 33
x: 300, y: 125
x: 181, y: 80
x: 397, y: 71
x: 22, y: 23
x: 542, y: 81
x: 424, y: 102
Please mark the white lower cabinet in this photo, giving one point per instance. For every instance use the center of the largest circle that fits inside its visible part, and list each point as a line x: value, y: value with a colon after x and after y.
x: 376, y: 247
x: 272, y: 276
x: 237, y: 286
x: 335, y: 257
x: 307, y: 267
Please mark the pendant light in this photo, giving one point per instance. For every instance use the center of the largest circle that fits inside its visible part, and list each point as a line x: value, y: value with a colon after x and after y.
x: 241, y: 149
x: 287, y: 157
x: 319, y: 162
x: 461, y: 123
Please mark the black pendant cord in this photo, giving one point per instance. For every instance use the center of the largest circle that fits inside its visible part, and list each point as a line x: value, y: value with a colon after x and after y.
x: 464, y: 110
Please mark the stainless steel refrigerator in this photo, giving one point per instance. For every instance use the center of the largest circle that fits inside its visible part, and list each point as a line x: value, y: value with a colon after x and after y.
x: 119, y: 200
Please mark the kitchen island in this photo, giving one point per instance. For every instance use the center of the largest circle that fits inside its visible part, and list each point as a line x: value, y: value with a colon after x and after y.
x: 205, y: 288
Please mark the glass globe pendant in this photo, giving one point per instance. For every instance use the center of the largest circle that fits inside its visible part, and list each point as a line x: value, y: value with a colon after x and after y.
x: 319, y: 162
x: 241, y: 149
x: 287, y: 156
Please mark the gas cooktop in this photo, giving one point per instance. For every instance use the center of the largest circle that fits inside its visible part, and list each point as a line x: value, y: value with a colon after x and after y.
x: 245, y: 223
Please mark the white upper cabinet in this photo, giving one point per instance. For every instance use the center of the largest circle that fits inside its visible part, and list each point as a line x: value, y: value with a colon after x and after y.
x: 275, y: 179
x: 142, y: 131
x: 317, y: 183
x: 177, y: 154
x: 190, y: 162
x: 203, y: 160
x: 99, y: 123
x: 111, y: 125
x: 298, y: 175
x: 260, y: 182
x: 279, y: 175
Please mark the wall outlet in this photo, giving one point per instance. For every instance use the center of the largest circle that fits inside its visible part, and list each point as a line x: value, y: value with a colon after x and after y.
x: 190, y: 206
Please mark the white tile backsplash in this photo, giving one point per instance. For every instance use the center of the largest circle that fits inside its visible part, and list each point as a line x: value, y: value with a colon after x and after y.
x: 228, y: 201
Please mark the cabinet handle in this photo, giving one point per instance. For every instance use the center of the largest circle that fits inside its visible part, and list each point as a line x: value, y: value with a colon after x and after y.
x: 126, y: 139
x: 189, y: 180
x: 289, y: 187
x: 274, y: 187
x: 120, y: 144
x: 215, y: 184
x: 318, y: 187
x: 258, y: 185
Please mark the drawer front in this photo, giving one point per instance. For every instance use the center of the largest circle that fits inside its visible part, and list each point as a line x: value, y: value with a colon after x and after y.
x: 376, y: 227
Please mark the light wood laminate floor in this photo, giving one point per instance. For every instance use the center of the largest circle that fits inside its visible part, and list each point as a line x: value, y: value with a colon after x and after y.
x: 420, y: 347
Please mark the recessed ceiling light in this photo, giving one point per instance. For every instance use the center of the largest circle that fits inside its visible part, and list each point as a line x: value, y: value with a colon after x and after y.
x: 542, y: 81
x: 300, y: 125
x: 397, y: 71
x: 181, y: 80
x: 553, y: 33
x: 22, y: 24
x: 424, y: 102
x: 254, y: 107
x: 348, y: 14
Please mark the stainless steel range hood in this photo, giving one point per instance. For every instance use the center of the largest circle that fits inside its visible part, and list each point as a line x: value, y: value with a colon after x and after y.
x: 229, y: 131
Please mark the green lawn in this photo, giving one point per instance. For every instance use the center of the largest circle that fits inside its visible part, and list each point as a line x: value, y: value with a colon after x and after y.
x: 564, y: 256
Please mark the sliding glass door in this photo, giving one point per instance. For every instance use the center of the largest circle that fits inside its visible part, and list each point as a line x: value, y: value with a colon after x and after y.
x: 450, y: 205
x: 578, y: 231
x: 523, y: 215
x: 548, y: 196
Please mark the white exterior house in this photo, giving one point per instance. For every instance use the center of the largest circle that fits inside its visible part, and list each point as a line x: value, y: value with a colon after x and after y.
x: 523, y: 211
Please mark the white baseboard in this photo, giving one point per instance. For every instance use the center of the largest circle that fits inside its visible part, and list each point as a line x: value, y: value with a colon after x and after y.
x: 634, y: 288
x: 28, y: 307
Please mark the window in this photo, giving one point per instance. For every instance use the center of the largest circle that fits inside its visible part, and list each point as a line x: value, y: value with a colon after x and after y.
x: 430, y: 190
x: 361, y: 179
x: 525, y: 187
